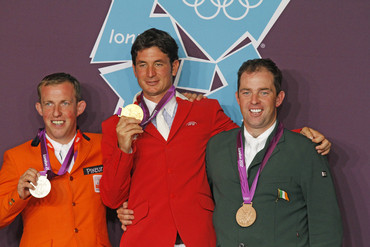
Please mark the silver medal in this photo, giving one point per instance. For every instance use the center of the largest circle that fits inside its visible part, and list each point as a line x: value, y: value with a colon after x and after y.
x: 42, y: 189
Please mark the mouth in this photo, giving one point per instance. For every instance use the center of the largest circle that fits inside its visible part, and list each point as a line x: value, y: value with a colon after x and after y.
x: 57, y: 122
x: 152, y: 83
x: 255, y: 111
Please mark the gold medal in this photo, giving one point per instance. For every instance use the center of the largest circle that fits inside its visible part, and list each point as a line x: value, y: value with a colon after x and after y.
x: 133, y: 111
x: 246, y: 215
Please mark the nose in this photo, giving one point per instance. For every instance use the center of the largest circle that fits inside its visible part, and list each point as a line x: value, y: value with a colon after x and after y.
x: 151, y: 71
x: 255, y: 98
x: 56, y: 111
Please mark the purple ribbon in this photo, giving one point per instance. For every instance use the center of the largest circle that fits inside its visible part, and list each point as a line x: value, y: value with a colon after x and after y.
x: 46, y: 159
x: 147, y: 117
x: 247, y: 193
x: 167, y: 97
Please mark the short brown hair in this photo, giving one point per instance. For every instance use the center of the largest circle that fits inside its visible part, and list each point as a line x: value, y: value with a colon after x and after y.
x: 59, y: 78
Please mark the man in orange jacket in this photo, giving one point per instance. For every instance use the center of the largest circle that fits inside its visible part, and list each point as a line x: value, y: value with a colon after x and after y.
x: 72, y: 213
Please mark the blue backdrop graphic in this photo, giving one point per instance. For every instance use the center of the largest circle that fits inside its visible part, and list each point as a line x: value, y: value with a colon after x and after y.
x: 214, y: 38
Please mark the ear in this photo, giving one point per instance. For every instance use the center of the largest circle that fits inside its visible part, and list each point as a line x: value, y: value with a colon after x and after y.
x: 237, y: 97
x: 279, y: 99
x: 38, y: 108
x: 175, y: 67
x: 134, y: 69
x: 81, y: 105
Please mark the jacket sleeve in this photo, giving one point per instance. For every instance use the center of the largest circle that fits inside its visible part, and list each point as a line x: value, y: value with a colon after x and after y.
x: 10, y: 202
x: 115, y: 182
x: 324, y: 220
x: 221, y: 122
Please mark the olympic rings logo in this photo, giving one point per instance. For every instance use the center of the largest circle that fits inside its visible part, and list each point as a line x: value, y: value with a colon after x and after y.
x: 226, y: 3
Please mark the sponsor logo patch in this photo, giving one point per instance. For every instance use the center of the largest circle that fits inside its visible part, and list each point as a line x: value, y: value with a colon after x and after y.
x: 93, y: 170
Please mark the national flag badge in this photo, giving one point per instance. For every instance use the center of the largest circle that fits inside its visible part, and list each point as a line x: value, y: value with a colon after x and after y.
x: 283, y: 195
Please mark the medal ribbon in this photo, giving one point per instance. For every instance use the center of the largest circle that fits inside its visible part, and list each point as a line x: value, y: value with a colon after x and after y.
x: 147, y: 119
x: 247, y: 193
x: 72, y: 152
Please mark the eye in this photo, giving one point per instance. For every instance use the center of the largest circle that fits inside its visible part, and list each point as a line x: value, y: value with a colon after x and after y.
x: 158, y: 64
x: 264, y: 93
x: 48, y: 104
x: 65, y: 103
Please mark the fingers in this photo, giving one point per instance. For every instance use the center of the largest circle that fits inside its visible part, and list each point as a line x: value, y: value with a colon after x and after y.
x: 324, y: 144
x: 24, y: 182
x: 306, y: 132
x: 324, y: 147
x: 194, y: 96
x: 127, y: 128
x: 125, y: 216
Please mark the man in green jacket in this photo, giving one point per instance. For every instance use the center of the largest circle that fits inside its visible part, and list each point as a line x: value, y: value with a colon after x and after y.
x: 270, y: 186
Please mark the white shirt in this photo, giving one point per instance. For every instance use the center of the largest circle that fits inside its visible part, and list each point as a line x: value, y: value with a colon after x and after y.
x: 61, y: 150
x: 170, y: 108
x: 253, y: 145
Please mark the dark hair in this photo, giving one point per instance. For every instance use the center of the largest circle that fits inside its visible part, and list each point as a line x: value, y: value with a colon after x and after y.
x: 59, y: 78
x: 154, y: 37
x: 254, y: 65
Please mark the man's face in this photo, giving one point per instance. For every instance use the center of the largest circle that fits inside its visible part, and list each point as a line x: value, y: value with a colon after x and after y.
x: 258, y: 100
x: 59, y: 109
x: 154, y: 72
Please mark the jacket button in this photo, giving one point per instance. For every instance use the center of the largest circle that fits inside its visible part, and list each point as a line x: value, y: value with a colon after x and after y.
x: 76, y: 230
x: 71, y: 178
x: 241, y: 245
x: 73, y: 204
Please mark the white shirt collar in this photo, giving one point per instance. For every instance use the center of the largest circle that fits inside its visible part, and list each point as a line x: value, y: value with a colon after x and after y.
x: 253, y: 145
x: 169, y: 107
x: 58, y: 146
x: 261, y: 138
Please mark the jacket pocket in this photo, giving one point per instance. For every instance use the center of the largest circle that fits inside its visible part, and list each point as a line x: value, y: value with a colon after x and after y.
x: 206, y: 202
x: 141, y: 211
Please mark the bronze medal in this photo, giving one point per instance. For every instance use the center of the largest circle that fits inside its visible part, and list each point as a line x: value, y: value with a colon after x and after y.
x: 246, y: 215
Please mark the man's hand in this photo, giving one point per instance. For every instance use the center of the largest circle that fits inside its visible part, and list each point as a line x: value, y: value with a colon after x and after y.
x: 324, y: 144
x: 24, y: 183
x: 125, y: 216
x: 194, y: 96
x: 127, y: 128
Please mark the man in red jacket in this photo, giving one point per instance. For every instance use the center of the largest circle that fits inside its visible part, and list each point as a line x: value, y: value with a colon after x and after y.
x: 158, y: 165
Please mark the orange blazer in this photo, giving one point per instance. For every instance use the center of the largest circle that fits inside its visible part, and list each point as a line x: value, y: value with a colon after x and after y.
x: 165, y: 182
x: 72, y: 214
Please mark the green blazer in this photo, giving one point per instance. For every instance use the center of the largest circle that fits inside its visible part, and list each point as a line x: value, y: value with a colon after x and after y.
x: 311, y: 217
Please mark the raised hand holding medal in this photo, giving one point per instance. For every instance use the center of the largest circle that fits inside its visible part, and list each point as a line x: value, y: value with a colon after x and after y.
x: 42, y: 188
x: 133, y: 111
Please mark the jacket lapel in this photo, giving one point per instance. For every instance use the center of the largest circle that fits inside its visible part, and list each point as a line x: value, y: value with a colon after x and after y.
x: 261, y: 154
x: 83, y: 149
x: 183, y: 110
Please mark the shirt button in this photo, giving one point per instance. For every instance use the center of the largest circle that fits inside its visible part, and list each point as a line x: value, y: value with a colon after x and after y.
x: 241, y: 245
x: 76, y: 230
x: 71, y: 178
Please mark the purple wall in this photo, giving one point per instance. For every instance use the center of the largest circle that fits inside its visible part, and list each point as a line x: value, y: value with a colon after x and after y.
x: 321, y: 47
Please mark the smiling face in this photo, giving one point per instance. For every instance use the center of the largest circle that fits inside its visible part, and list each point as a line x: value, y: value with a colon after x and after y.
x: 59, y: 109
x: 154, y: 72
x: 258, y: 100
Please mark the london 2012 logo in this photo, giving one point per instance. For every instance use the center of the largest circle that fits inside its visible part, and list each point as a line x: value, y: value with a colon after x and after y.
x: 214, y: 38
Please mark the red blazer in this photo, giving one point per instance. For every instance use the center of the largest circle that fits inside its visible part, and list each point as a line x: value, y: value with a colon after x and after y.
x: 165, y: 182
x: 72, y: 214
